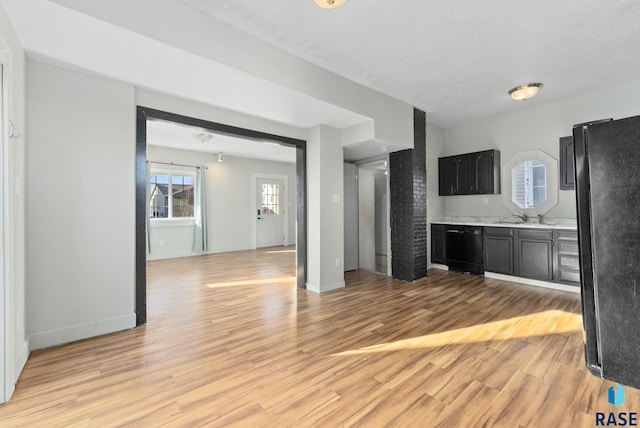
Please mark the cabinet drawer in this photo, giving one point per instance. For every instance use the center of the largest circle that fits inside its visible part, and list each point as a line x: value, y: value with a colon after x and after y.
x: 568, y: 247
x: 498, y: 231
x: 568, y: 262
x: 535, y: 234
x: 569, y: 276
x: 568, y: 235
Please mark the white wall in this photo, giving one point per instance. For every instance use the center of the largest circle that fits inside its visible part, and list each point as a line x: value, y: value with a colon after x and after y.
x: 325, y: 211
x: 13, y: 59
x: 350, y: 216
x: 382, y: 221
x: 435, y: 203
x: 229, y: 198
x: 81, y: 196
x: 538, y: 127
x: 366, y: 219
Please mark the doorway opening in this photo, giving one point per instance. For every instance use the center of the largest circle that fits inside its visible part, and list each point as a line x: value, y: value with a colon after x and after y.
x: 373, y: 216
x: 145, y: 115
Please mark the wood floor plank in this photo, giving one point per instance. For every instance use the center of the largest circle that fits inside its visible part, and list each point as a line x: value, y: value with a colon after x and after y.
x: 230, y: 341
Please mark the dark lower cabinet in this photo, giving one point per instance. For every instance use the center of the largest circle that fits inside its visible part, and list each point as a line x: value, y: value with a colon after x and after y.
x: 438, y: 244
x: 534, y: 254
x: 498, y: 250
x: 566, y: 257
x: 543, y: 254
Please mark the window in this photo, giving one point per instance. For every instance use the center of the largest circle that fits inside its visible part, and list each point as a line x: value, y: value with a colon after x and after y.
x: 529, y: 183
x: 171, y: 194
x: 270, y: 199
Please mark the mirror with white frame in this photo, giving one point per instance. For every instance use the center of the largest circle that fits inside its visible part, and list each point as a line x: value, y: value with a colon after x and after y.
x: 530, y: 183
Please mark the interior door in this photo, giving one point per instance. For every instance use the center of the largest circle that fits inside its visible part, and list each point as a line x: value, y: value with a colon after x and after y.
x: 3, y: 314
x: 270, y: 214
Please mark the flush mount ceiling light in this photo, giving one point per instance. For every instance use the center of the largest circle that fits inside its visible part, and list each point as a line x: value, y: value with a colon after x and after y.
x: 203, y: 137
x: 526, y: 91
x: 330, y: 4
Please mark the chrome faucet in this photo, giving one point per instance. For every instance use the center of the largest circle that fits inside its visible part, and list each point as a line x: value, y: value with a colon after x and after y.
x: 522, y: 215
x: 540, y: 219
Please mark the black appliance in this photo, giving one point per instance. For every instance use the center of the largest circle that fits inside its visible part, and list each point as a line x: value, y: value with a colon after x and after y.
x: 608, y: 200
x: 464, y: 249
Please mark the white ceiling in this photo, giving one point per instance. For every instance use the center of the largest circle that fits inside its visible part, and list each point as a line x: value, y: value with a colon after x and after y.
x: 454, y: 59
x: 176, y: 136
x: 457, y: 59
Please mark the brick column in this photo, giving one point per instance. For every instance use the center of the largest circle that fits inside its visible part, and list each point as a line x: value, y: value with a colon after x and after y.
x: 408, y: 184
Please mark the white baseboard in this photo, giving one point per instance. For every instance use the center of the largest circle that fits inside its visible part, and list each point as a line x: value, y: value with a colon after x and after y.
x: 439, y: 266
x: 59, y: 336
x: 21, y: 359
x: 173, y: 255
x: 324, y: 288
x: 229, y: 249
x: 534, y: 282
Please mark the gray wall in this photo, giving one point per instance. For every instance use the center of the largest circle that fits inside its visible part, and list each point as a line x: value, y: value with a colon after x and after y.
x: 81, y: 203
x: 537, y: 127
x: 229, y: 213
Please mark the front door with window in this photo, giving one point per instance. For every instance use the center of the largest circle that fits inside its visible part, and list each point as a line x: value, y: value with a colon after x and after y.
x: 270, y: 214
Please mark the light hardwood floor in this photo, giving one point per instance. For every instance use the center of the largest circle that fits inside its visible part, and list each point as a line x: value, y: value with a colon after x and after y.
x: 230, y: 341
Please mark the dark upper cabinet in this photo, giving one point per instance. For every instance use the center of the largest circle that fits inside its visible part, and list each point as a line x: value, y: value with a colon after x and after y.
x: 463, y: 175
x: 438, y: 244
x: 486, y: 172
x: 470, y: 174
x: 567, y: 164
x: 445, y: 176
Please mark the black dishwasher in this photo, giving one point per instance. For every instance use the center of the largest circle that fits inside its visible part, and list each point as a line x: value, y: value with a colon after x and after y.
x: 464, y: 249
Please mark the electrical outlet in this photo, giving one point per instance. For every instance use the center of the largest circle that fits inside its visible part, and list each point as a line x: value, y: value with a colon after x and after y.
x: 337, y: 262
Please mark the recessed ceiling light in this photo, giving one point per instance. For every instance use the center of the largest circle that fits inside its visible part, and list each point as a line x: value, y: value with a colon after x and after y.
x: 526, y: 91
x: 330, y: 4
x: 203, y: 137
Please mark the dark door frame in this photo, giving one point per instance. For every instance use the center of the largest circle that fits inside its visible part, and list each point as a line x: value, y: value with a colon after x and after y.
x: 144, y: 114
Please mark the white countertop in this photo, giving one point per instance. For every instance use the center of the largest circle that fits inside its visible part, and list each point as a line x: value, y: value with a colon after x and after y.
x: 560, y: 224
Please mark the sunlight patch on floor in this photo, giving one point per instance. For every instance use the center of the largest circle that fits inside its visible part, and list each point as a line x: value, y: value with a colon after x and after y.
x: 280, y: 251
x: 282, y: 279
x: 538, y: 324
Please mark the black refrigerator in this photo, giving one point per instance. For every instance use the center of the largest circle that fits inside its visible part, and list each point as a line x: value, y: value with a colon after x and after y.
x: 607, y: 155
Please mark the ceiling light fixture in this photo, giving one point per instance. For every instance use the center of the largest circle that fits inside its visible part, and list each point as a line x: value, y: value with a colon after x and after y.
x: 526, y: 91
x: 203, y: 137
x: 330, y: 4
x: 220, y: 157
